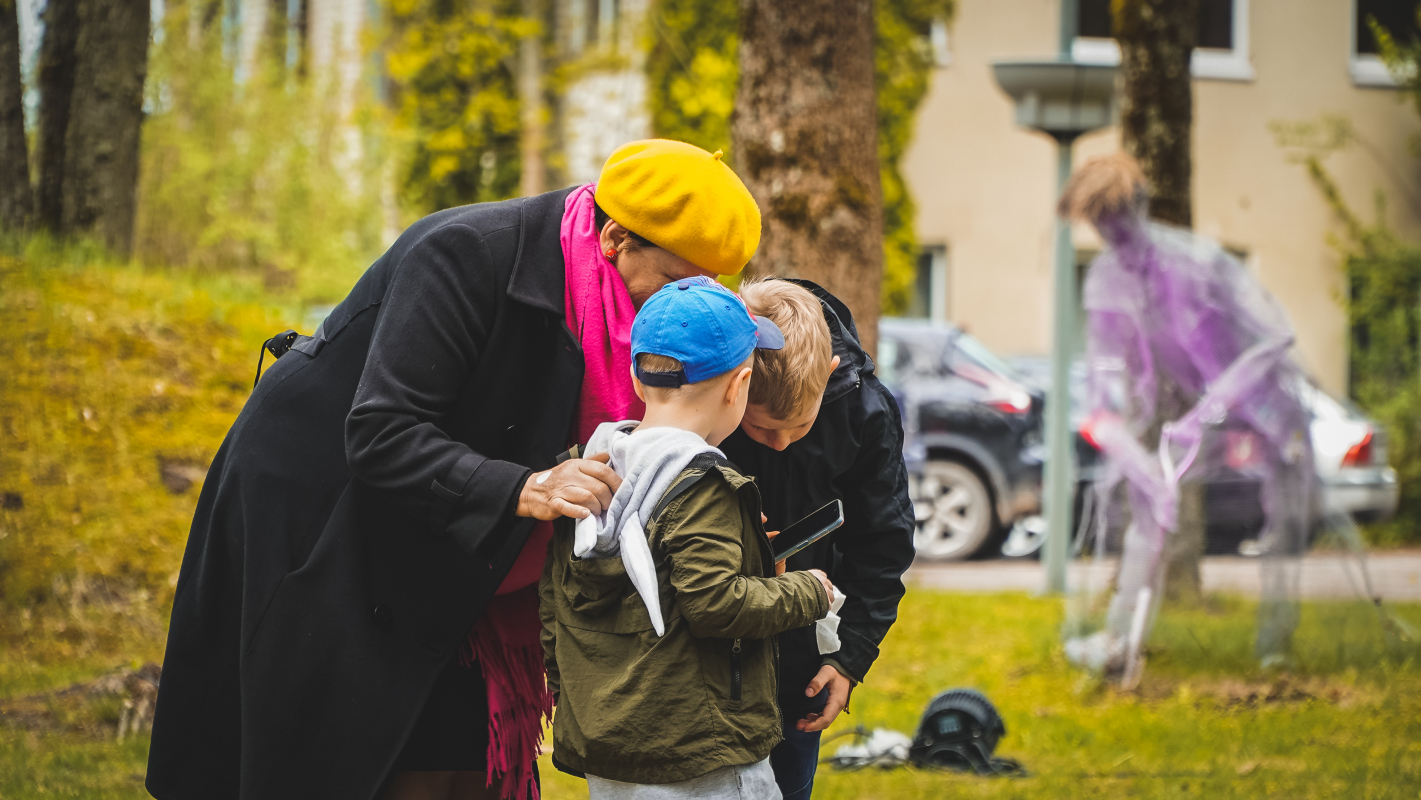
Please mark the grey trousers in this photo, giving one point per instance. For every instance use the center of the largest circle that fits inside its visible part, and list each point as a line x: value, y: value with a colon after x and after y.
x: 742, y: 782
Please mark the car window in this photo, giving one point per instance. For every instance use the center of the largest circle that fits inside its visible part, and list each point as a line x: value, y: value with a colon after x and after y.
x: 965, y: 346
x: 886, y: 365
x: 908, y: 354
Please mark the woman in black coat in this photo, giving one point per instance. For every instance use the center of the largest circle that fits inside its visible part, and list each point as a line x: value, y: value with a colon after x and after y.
x: 375, y: 490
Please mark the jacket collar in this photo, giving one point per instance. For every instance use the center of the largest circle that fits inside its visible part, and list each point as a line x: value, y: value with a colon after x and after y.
x: 539, y: 276
x: 854, y: 363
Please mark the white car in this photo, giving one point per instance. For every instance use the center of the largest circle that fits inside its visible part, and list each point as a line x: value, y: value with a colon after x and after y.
x: 1349, y: 451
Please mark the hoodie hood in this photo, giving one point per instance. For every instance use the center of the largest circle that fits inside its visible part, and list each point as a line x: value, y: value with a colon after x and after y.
x: 648, y: 460
x: 854, y: 363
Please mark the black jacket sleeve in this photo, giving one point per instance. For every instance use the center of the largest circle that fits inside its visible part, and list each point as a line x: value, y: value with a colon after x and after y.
x: 876, y: 541
x: 434, y: 321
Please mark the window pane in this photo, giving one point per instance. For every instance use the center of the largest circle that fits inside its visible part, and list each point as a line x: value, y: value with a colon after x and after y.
x: 1216, y: 24
x: 1094, y: 18
x: 920, y: 303
x: 1397, y: 16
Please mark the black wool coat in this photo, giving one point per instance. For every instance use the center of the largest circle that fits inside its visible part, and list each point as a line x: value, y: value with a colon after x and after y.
x: 359, y: 515
x: 853, y: 452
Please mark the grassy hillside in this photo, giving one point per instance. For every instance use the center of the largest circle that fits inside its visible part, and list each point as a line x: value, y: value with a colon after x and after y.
x: 118, y: 387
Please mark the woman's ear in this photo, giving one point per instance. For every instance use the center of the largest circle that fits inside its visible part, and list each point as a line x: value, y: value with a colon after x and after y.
x: 612, y: 236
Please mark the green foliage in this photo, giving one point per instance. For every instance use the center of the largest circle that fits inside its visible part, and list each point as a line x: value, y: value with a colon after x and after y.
x: 1384, y: 311
x: 1383, y: 299
x: 903, y: 63
x: 1402, y: 59
x: 260, y: 174
x: 454, y: 89
x: 693, y: 68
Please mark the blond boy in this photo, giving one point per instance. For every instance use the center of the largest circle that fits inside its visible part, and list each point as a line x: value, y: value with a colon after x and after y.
x: 819, y: 426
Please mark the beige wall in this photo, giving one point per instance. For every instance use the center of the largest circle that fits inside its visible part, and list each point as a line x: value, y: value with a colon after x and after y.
x: 984, y: 188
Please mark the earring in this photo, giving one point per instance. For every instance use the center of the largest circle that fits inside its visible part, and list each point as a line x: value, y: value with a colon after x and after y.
x: 611, y: 253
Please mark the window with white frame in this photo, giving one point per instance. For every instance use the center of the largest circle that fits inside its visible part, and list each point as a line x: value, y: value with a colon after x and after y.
x: 1221, y: 52
x: 929, y: 297
x: 1398, y: 18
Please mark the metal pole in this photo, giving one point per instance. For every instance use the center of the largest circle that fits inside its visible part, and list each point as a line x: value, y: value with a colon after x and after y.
x: 1070, y: 25
x: 1060, y: 466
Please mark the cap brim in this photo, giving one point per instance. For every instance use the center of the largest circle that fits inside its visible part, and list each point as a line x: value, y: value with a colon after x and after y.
x: 769, y: 337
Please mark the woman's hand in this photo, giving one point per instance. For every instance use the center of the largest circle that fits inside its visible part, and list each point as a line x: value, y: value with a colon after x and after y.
x: 577, y: 488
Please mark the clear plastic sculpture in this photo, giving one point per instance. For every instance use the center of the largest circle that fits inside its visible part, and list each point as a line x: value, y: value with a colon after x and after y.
x: 1189, y: 376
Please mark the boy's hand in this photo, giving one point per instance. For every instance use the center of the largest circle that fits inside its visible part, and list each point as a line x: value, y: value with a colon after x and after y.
x: 839, y: 688
x: 824, y: 579
x: 577, y: 488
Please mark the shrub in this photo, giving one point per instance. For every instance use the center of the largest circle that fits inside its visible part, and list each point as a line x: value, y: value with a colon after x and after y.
x: 268, y: 172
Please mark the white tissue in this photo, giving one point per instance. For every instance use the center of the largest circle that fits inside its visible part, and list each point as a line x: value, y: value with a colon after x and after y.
x: 827, y: 630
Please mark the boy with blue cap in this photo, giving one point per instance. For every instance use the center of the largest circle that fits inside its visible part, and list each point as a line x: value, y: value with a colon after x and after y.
x: 660, y: 616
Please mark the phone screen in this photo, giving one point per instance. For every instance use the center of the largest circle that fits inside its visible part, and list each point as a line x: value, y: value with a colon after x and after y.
x: 807, y: 531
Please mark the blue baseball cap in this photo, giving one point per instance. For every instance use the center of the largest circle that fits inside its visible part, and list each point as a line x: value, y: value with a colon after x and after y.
x: 703, y: 325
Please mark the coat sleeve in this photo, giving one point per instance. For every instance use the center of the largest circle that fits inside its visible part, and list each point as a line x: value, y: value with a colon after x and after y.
x: 704, y: 542
x: 434, y: 322
x: 876, y: 541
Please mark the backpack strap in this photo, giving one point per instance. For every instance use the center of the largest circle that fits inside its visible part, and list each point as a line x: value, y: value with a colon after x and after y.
x: 700, y: 467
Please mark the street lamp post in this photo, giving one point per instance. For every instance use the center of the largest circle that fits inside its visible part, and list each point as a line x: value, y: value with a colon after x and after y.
x: 1062, y: 99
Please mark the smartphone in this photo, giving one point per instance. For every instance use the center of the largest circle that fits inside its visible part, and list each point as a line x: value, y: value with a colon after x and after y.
x: 807, y: 531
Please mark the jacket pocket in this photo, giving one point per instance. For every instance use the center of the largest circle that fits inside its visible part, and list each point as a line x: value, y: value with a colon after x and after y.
x: 597, y: 595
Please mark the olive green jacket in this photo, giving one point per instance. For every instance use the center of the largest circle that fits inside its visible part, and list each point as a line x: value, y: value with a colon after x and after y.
x: 638, y: 708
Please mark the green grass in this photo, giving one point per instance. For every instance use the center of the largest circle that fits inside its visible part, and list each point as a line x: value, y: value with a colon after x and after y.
x: 1339, y: 722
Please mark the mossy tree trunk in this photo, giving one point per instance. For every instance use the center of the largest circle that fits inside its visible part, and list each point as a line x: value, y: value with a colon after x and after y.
x: 805, y: 131
x: 101, y: 144
x: 16, y: 202
x: 1157, y: 38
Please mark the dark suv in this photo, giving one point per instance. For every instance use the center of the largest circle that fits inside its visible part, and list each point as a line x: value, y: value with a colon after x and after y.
x: 972, y: 437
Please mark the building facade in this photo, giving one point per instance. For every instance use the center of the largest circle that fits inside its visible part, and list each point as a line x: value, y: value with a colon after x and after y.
x: 985, y: 188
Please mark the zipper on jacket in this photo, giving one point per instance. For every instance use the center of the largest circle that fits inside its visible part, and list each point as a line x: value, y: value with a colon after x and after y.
x: 735, y: 671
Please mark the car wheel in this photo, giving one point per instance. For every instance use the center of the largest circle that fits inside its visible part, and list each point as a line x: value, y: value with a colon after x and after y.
x: 954, y: 512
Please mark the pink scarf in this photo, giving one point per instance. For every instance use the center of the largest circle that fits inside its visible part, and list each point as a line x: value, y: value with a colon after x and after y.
x: 600, y: 315
x: 505, y: 641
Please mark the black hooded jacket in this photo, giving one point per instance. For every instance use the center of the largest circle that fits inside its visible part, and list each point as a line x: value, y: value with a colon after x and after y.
x: 854, y: 452
x: 359, y: 515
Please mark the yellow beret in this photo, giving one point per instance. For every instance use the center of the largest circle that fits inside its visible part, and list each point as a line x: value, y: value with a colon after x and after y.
x: 684, y: 200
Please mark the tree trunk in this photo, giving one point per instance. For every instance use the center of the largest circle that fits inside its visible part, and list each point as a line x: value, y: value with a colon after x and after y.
x: 530, y: 104
x: 278, y: 26
x: 1156, y: 124
x: 56, y: 89
x: 805, y: 131
x: 16, y: 203
x: 1157, y: 107
x: 106, y: 117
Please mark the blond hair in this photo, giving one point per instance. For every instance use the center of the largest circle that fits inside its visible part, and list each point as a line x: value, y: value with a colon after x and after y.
x: 789, y: 382
x: 1105, y: 185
